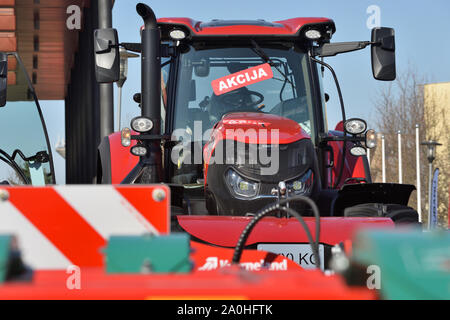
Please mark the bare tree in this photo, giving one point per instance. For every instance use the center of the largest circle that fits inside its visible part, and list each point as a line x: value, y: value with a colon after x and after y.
x: 400, y: 106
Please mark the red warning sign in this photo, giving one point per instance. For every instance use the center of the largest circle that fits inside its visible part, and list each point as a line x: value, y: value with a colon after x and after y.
x: 242, y: 78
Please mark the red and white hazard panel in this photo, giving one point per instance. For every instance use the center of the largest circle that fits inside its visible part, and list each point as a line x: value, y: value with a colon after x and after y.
x: 60, y: 226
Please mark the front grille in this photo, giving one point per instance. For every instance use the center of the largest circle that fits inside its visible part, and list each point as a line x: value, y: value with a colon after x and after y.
x: 293, y: 160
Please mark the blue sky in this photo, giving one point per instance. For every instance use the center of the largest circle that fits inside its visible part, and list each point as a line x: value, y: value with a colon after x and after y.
x: 421, y: 28
x: 422, y: 41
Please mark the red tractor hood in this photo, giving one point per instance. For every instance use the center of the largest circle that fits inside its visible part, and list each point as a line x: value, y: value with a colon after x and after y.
x: 257, y: 127
x: 252, y: 128
x: 225, y: 230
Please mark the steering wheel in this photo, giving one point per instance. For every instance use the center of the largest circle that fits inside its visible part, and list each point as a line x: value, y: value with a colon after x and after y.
x: 240, y: 98
x: 233, y: 101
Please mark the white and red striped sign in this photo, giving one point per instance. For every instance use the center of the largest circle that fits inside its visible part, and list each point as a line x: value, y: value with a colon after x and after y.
x: 242, y: 78
x: 68, y: 225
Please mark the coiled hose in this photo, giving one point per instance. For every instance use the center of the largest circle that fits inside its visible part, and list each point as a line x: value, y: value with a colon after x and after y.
x: 277, y: 207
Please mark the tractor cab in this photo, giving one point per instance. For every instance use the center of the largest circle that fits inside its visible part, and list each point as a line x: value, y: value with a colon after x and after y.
x: 256, y: 76
x: 25, y: 154
x: 225, y: 68
x: 233, y: 115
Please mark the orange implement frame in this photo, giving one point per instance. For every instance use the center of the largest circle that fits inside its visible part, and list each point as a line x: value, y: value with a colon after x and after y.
x: 224, y: 284
x: 62, y: 230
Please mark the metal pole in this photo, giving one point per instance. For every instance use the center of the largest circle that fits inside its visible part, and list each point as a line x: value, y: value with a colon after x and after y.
x: 119, y: 106
x: 383, y: 159
x: 400, y: 169
x: 419, y: 198
x: 106, y: 91
x: 430, y: 179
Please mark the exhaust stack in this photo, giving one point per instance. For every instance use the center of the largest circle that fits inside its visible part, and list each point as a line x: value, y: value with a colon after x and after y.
x: 150, y: 97
x: 150, y: 67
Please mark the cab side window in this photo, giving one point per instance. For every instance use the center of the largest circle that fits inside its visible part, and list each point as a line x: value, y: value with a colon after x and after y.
x: 165, y: 71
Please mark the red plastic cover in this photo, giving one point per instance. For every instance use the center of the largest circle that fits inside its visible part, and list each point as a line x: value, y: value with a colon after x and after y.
x: 225, y: 230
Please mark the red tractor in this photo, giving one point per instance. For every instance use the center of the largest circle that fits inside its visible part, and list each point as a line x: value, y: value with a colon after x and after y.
x: 233, y: 120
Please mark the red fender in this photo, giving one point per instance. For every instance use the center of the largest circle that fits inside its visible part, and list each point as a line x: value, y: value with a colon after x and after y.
x: 354, y: 166
x: 116, y: 160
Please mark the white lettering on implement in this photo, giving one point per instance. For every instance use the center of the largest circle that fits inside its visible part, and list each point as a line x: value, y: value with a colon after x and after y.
x: 213, y: 263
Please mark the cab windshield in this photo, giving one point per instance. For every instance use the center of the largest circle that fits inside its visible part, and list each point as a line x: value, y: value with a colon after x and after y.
x: 287, y: 93
x: 24, y: 153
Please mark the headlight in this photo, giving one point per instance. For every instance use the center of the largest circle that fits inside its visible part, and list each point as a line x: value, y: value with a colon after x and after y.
x: 241, y: 186
x: 358, y: 151
x: 313, y: 34
x: 138, y: 150
x: 141, y: 124
x: 302, y: 185
x: 355, y: 126
x: 177, y: 34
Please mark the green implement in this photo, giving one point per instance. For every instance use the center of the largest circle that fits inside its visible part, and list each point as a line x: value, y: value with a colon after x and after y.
x: 148, y: 254
x: 412, y: 264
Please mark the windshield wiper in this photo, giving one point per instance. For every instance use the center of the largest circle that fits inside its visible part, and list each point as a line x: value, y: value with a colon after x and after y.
x: 260, y: 52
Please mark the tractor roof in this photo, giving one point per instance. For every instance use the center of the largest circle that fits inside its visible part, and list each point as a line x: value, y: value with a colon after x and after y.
x: 291, y: 28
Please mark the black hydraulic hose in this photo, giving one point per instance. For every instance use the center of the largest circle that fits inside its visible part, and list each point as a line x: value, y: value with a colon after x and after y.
x: 314, y: 208
x: 14, y: 165
x: 20, y: 153
x: 311, y: 203
x: 275, y: 207
x: 341, y: 100
x: 248, y: 229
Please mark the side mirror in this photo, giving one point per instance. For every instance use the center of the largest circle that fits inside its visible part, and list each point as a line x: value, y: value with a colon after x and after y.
x: 3, y: 77
x: 383, y: 54
x: 106, y: 48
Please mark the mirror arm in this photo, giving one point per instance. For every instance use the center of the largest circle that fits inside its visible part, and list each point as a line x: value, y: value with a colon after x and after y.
x: 332, y: 49
x: 357, y: 138
x: 341, y: 101
x: 132, y: 46
x: 107, y: 50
